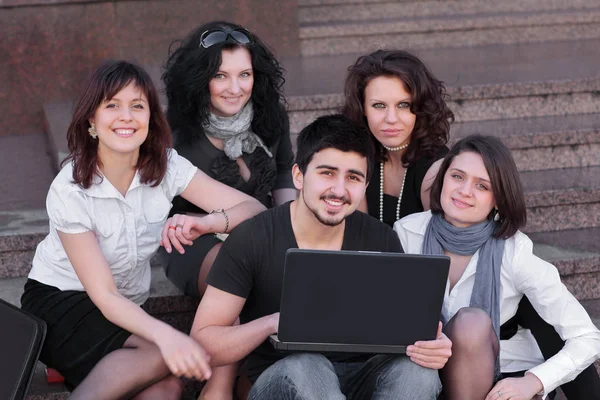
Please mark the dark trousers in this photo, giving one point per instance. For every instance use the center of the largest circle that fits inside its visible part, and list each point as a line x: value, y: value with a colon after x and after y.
x: 587, y: 384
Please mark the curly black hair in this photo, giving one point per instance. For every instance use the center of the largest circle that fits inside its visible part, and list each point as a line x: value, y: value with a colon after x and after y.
x: 428, y: 100
x: 189, y: 69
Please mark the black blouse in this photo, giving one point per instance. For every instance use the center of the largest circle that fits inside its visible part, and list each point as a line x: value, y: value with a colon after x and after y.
x: 411, y: 197
x: 266, y: 173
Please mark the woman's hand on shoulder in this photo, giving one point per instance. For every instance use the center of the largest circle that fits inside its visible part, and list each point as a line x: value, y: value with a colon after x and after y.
x: 524, y: 388
x: 183, y: 355
x: 183, y: 229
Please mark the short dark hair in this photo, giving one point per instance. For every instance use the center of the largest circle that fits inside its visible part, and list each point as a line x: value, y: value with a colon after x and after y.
x: 189, y: 70
x: 337, y: 132
x: 428, y: 100
x: 110, y: 78
x: 504, y: 178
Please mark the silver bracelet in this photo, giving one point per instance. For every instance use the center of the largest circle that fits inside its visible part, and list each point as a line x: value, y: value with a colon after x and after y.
x: 222, y: 211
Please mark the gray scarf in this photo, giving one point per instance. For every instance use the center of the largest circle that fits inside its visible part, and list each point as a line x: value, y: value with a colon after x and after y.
x: 235, y: 132
x: 441, y: 235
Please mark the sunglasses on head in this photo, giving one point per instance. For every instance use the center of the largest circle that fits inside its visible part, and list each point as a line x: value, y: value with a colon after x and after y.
x: 213, y: 36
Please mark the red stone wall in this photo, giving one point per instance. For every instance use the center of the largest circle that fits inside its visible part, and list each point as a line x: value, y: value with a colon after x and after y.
x: 48, y: 48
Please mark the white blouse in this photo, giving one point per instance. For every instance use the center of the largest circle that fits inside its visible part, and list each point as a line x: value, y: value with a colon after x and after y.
x: 522, y: 273
x: 128, y: 228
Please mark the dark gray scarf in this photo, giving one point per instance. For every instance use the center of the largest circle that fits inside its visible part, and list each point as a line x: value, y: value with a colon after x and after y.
x: 441, y: 235
x: 236, y: 132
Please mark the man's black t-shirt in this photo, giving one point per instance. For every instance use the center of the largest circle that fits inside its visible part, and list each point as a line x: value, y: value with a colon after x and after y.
x: 250, y: 265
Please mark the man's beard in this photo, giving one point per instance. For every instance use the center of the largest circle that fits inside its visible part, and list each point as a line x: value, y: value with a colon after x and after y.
x: 327, y: 222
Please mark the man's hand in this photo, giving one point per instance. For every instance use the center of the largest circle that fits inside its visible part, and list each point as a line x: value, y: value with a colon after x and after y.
x: 524, y: 388
x: 432, y: 354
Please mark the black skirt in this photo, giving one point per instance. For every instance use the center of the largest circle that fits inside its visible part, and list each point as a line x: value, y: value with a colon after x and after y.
x: 78, y: 336
x: 183, y: 269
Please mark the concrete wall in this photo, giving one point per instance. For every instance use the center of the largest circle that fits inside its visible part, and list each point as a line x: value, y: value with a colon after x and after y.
x: 48, y: 48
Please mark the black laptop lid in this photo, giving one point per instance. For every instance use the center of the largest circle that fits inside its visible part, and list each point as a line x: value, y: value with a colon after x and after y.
x: 21, y: 340
x: 361, y: 297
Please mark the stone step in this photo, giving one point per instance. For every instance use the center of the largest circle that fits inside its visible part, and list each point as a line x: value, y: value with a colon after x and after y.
x: 308, y: 3
x: 576, y: 255
x: 562, y: 199
x: 41, y: 390
x: 484, y: 83
x: 27, y: 172
x: 337, y: 11
x: 450, y: 31
x: 556, y: 199
x: 165, y: 301
x: 541, y: 143
x: 537, y: 143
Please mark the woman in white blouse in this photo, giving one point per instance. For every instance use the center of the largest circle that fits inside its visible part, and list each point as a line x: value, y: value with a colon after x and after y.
x: 107, y: 209
x: 477, y: 209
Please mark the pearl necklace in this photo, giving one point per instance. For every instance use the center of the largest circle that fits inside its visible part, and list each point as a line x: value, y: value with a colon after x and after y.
x: 401, y: 147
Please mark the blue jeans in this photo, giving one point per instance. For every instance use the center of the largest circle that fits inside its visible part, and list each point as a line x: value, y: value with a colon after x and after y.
x: 311, y: 376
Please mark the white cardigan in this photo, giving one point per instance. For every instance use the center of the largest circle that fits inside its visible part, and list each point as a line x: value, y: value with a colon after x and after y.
x: 522, y: 273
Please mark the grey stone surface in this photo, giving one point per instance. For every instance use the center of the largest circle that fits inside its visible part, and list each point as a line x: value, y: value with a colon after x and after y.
x: 164, y: 297
x: 57, y: 119
x: 469, y: 72
x: 27, y: 172
x: 441, y: 23
x: 452, y: 38
x: 321, y: 12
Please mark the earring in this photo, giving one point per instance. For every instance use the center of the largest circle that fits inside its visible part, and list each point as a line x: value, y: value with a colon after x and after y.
x: 92, y: 131
x: 496, y: 215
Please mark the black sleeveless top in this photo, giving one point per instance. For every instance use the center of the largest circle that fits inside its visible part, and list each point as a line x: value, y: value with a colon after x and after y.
x: 411, y: 197
x: 266, y: 173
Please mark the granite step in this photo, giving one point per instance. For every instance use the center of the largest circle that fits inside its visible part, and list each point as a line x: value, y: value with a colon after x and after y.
x: 450, y: 31
x: 537, y: 143
x: 166, y: 302
x: 308, y: 3
x: 562, y: 199
x: 484, y: 82
x: 338, y: 11
x: 576, y: 255
x: 541, y: 143
x: 563, y: 207
x: 40, y: 389
x: 556, y: 199
x: 27, y: 172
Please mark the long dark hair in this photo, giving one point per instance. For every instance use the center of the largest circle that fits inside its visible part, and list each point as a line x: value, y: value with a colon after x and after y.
x: 428, y: 99
x: 504, y: 178
x: 189, y: 69
x: 110, y: 78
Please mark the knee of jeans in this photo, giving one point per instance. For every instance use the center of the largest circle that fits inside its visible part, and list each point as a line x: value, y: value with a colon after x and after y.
x: 290, y: 377
x: 301, y: 363
x: 296, y: 369
x: 402, y: 371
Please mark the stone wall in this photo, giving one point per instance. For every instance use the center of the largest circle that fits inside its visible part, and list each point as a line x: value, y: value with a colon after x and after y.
x: 48, y: 48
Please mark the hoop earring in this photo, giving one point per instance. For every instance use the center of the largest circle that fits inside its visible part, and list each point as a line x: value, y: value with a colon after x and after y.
x: 92, y: 131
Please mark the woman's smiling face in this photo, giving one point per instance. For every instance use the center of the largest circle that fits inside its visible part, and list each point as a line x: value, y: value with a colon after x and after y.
x: 467, y: 197
x: 231, y: 87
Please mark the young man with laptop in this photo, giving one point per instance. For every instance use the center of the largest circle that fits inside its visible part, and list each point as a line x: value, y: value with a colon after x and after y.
x: 333, y: 167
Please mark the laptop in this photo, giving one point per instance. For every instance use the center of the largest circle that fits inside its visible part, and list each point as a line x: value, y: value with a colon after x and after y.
x: 21, y: 341
x: 359, y: 302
